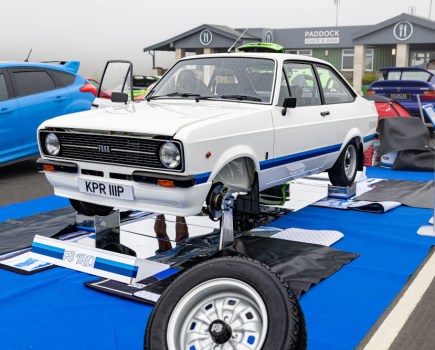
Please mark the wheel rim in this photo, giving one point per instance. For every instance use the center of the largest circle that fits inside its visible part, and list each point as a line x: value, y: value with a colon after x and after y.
x: 222, y: 301
x: 350, y: 161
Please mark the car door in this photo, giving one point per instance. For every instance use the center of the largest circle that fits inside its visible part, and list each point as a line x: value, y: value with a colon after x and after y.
x: 10, y: 122
x: 302, y: 134
x: 117, y: 76
x: 339, y: 99
x: 39, y: 99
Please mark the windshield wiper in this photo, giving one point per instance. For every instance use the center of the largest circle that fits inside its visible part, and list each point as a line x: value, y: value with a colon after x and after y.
x: 174, y: 94
x: 206, y: 97
x: 242, y: 98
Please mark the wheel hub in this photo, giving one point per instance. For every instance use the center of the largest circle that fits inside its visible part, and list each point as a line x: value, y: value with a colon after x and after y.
x: 220, y: 331
x: 219, y: 314
x: 350, y: 161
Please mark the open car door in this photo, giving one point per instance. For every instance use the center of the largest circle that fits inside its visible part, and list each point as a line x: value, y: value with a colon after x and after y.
x: 117, y: 77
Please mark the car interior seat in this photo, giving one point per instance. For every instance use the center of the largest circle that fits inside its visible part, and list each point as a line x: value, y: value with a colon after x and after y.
x: 187, y: 82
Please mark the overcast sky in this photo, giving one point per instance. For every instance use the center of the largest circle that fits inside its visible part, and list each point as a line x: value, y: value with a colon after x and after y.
x: 94, y: 31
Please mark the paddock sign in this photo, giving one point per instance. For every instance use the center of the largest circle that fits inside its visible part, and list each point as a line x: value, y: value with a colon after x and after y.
x: 327, y: 36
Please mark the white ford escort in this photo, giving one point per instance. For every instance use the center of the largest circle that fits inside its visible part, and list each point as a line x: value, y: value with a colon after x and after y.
x: 219, y: 119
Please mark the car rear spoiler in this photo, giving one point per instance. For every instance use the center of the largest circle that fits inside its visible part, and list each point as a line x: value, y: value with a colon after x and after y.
x: 385, y: 70
x: 72, y: 66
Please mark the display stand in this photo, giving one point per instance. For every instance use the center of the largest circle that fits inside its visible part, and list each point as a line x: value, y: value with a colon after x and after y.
x: 94, y: 259
x: 342, y: 192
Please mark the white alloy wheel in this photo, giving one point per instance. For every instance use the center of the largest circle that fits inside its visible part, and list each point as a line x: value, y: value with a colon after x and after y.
x: 350, y: 161
x: 222, y: 313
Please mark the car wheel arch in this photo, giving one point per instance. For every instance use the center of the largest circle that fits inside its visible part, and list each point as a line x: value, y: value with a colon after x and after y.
x: 237, y: 173
x: 355, y: 136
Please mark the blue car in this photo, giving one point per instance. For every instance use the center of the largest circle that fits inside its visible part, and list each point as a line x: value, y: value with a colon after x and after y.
x: 404, y: 84
x: 31, y: 93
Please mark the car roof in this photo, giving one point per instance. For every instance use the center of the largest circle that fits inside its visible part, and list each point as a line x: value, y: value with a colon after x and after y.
x: 6, y: 64
x: 269, y: 55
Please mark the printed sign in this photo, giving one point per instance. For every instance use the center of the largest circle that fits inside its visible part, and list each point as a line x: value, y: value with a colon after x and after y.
x: 205, y: 37
x: 268, y: 37
x: 322, y: 37
x: 403, y: 30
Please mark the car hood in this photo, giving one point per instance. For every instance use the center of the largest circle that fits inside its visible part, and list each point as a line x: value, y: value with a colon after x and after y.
x: 154, y: 118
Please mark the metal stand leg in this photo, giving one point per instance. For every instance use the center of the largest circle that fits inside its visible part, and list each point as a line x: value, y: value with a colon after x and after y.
x: 227, y: 229
x: 107, y: 231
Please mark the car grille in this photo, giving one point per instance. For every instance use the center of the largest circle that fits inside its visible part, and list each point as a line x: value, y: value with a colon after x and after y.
x: 117, y: 150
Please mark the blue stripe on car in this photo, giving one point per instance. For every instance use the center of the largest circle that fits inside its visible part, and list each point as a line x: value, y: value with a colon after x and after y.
x: 369, y: 138
x: 48, y: 250
x: 116, y: 267
x: 202, y: 178
x: 275, y: 162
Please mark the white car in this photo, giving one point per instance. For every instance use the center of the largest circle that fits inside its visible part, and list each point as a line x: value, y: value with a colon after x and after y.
x: 213, y: 123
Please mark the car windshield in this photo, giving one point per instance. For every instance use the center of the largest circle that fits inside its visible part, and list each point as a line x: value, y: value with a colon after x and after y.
x: 233, y: 78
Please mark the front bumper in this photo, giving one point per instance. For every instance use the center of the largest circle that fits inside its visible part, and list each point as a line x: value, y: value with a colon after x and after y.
x: 185, y: 199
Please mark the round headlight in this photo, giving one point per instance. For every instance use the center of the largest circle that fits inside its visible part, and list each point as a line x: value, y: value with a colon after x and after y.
x: 170, y: 155
x: 52, y: 144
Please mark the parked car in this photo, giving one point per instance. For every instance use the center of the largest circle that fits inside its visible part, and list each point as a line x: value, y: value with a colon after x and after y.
x: 209, y: 126
x: 102, y: 93
x: 388, y: 108
x: 31, y: 93
x: 144, y: 83
x: 405, y: 85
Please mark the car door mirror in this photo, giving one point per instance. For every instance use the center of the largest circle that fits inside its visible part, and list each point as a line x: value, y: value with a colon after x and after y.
x: 119, y: 97
x: 289, y: 102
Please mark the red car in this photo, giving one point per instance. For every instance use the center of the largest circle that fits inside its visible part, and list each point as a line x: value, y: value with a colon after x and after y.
x: 96, y: 83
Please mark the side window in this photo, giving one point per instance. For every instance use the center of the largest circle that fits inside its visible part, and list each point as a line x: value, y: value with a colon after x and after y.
x: 334, y: 90
x: 3, y: 89
x: 302, y: 84
x: 64, y: 78
x: 33, y: 82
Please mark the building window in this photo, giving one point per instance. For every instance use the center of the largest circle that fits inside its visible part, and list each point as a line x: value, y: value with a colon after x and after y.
x: 308, y: 53
x: 423, y: 59
x: 347, y: 59
x: 369, y: 60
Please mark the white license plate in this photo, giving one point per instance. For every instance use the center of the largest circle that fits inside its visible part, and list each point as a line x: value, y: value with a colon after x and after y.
x: 400, y: 96
x: 105, y: 189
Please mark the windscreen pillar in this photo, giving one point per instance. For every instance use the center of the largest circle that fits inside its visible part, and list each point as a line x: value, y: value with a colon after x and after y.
x: 359, y: 65
x: 402, y: 55
x: 180, y: 53
x: 207, y: 69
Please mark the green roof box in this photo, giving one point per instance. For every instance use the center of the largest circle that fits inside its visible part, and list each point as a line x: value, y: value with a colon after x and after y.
x: 261, y: 47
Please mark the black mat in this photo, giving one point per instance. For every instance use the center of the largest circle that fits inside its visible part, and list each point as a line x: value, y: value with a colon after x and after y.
x: 301, y: 265
x: 19, y: 234
x: 410, y: 193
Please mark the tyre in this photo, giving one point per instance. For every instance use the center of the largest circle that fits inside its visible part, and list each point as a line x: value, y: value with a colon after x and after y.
x: 227, y: 303
x: 344, y: 171
x: 90, y: 209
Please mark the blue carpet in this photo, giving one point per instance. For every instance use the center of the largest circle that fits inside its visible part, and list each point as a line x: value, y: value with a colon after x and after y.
x: 53, y: 310
x: 35, y: 206
x: 341, y: 310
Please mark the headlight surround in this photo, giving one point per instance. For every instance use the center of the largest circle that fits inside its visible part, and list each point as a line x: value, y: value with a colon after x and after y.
x: 52, y: 144
x: 170, y: 155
